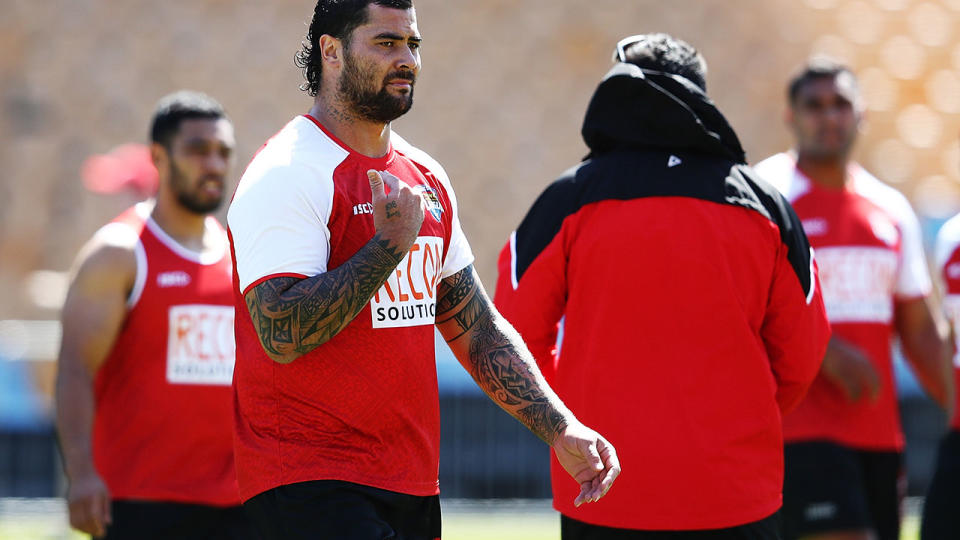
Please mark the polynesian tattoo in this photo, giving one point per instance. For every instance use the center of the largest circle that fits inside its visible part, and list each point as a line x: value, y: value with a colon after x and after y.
x: 496, y: 357
x: 293, y: 316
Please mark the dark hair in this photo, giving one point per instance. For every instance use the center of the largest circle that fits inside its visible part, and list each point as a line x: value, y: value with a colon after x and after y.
x: 663, y: 52
x: 174, y: 108
x: 818, y: 67
x: 337, y: 18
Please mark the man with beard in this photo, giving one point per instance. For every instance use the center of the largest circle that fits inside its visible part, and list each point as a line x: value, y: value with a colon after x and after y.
x: 143, y: 382
x: 349, y: 251
x: 844, y: 443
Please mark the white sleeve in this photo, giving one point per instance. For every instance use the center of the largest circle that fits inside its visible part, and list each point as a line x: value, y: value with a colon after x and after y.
x: 278, y: 221
x: 948, y: 240
x: 459, y: 254
x: 914, y: 276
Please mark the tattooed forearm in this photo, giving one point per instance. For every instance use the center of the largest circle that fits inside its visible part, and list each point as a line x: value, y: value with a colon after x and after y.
x: 542, y: 414
x: 509, y: 376
x: 459, y: 305
x: 495, y: 356
x: 451, y: 292
x: 294, y: 316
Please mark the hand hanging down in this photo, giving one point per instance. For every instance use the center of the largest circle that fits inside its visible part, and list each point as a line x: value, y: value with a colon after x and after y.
x: 495, y: 356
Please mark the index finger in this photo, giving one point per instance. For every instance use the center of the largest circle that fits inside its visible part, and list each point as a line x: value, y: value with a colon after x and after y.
x: 584, y: 494
x: 107, y: 509
x: 98, y: 516
x: 80, y: 517
x: 390, y: 180
x: 608, y: 454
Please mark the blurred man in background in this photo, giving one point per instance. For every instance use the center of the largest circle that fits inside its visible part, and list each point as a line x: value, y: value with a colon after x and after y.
x: 349, y: 252
x: 143, y: 385
x: 844, y: 466
x: 692, y: 316
x: 941, y: 520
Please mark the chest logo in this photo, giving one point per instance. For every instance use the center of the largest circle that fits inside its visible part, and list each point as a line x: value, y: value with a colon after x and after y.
x: 814, y: 226
x: 408, y: 297
x: 200, y: 345
x: 177, y: 278
x: 431, y: 201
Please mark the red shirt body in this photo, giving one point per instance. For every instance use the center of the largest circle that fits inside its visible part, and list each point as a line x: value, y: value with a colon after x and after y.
x: 363, y: 407
x: 163, y: 424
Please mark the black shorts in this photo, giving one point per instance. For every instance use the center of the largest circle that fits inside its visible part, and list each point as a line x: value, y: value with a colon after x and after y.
x: 148, y: 520
x: 829, y: 487
x: 765, y: 529
x: 336, y: 510
x: 941, y: 518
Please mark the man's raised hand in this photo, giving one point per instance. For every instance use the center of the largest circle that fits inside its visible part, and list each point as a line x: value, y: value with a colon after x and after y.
x: 397, y: 215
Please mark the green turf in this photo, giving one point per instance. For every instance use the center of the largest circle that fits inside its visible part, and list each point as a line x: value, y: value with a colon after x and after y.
x: 470, y: 525
x: 502, y: 526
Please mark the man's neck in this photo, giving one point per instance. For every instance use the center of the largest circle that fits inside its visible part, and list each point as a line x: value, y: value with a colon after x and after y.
x: 827, y: 172
x: 184, y: 226
x: 371, y: 139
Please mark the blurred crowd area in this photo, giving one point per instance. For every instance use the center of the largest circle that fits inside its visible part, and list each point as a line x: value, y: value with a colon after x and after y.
x: 499, y: 102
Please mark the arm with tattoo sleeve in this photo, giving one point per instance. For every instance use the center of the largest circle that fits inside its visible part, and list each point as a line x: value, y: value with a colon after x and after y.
x: 495, y: 356
x: 293, y: 316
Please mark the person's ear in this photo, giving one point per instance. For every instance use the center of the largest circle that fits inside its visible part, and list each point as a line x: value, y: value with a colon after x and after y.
x: 331, y: 51
x: 159, y: 156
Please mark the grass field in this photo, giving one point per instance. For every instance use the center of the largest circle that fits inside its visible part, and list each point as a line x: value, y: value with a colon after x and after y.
x: 45, y: 519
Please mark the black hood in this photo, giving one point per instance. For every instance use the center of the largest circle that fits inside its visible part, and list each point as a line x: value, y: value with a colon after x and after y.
x: 635, y: 107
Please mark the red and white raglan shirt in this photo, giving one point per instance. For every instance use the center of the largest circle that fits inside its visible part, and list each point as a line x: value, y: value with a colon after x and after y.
x: 947, y: 257
x: 163, y: 424
x: 363, y: 407
x: 869, y: 247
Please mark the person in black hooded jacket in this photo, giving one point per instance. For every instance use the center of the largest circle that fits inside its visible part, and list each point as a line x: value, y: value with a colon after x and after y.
x: 689, y: 302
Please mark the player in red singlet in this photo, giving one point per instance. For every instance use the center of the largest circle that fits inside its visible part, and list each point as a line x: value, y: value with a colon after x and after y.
x: 843, y: 453
x: 348, y: 254
x: 941, y: 521
x: 143, y: 388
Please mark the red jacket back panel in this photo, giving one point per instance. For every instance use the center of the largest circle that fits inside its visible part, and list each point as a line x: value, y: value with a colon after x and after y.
x: 692, y: 316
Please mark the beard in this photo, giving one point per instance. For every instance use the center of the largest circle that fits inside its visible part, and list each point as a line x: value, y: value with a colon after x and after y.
x: 193, y: 199
x: 358, y: 91
x: 836, y: 151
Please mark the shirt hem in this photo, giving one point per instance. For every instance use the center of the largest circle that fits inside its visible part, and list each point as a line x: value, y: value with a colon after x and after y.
x: 911, y: 297
x: 466, y: 263
x: 422, y: 489
x: 269, y: 277
x: 679, y: 523
x: 887, y: 446
x: 180, y: 498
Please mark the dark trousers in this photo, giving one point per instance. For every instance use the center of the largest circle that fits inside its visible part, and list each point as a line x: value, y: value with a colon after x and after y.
x: 147, y: 520
x: 765, y: 529
x: 941, y: 514
x: 335, y: 510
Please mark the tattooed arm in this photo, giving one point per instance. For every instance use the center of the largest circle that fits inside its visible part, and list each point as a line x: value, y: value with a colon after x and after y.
x: 495, y: 356
x: 293, y: 316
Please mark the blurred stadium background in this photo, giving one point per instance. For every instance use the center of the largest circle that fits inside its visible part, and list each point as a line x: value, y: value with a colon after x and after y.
x: 499, y: 103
